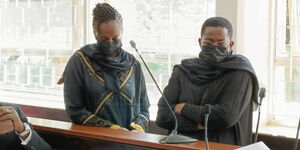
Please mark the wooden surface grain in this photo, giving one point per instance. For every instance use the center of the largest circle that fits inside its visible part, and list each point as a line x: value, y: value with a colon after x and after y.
x: 119, y: 136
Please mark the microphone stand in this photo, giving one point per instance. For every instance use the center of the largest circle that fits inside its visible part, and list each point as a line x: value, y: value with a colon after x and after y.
x: 261, y: 96
x: 207, y: 110
x: 174, y: 137
x: 297, y: 136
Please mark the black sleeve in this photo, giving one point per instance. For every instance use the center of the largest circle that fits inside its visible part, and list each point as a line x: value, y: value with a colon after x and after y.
x: 73, y: 95
x: 36, y: 142
x: 164, y: 117
x: 192, y: 112
x: 235, y: 97
x: 185, y: 124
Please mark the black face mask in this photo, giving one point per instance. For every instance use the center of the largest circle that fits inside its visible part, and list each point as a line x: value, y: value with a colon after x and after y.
x: 109, y: 48
x: 214, y: 54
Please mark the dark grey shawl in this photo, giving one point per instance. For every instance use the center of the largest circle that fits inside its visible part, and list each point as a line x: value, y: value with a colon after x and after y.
x: 199, y: 72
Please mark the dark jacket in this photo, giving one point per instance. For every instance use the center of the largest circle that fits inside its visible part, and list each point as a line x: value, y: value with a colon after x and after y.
x: 89, y: 101
x: 11, y: 141
x: 229, y: 95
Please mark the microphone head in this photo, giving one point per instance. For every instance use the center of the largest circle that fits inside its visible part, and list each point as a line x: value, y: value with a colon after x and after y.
x: 132, y: 43
x: 262, y: 92
x: 207, y: 109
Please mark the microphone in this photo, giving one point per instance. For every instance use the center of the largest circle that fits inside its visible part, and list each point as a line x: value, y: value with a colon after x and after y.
x: 207, y: 110
x: 173, y: 137
x: 297, y: 136
x: 262, y: 94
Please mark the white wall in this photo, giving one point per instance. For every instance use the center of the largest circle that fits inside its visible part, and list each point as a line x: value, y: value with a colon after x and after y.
x: 251, y: 22
x: 228, y: 10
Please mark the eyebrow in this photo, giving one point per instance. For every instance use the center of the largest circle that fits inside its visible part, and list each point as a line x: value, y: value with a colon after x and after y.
x: 210, y: 39
x: 104, y: 36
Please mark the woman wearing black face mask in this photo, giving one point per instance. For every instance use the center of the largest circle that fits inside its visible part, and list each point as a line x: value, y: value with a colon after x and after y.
x: 103, y: 84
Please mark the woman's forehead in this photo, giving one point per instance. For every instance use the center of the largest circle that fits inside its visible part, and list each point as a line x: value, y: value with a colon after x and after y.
x: 110, y: 27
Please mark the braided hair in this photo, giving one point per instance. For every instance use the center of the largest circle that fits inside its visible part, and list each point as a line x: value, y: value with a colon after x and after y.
x: 104, y: 12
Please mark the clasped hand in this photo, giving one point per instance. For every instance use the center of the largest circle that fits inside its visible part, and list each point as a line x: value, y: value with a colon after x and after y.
x: 10, y: 120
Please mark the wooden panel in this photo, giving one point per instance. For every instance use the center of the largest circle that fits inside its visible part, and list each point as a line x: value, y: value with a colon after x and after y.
x: 278, y: 142
x: 119, y: 136
x: 61, y: 115
x: 46, y: 113
x: 67, y: 142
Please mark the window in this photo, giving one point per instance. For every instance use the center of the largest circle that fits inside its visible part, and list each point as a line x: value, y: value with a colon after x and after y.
x: 36, y: 40
x: 285, y: 77
x: 38, y: 37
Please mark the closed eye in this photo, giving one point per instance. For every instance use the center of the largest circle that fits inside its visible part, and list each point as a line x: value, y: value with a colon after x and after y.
x: 207, y: 43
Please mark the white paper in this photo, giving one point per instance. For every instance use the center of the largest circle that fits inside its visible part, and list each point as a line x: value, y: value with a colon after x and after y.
x: 255, y: 146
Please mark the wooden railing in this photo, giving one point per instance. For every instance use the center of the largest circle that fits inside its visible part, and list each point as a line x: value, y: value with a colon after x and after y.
x: 145, y: 140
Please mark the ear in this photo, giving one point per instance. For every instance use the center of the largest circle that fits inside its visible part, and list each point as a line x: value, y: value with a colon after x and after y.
x: 96, y: 29
x: 231, y: 44
x: 199, y: 41
x: 121, y: 32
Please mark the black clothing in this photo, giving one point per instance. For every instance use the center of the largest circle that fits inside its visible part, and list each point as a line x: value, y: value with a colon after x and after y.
x: 227, y: 86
